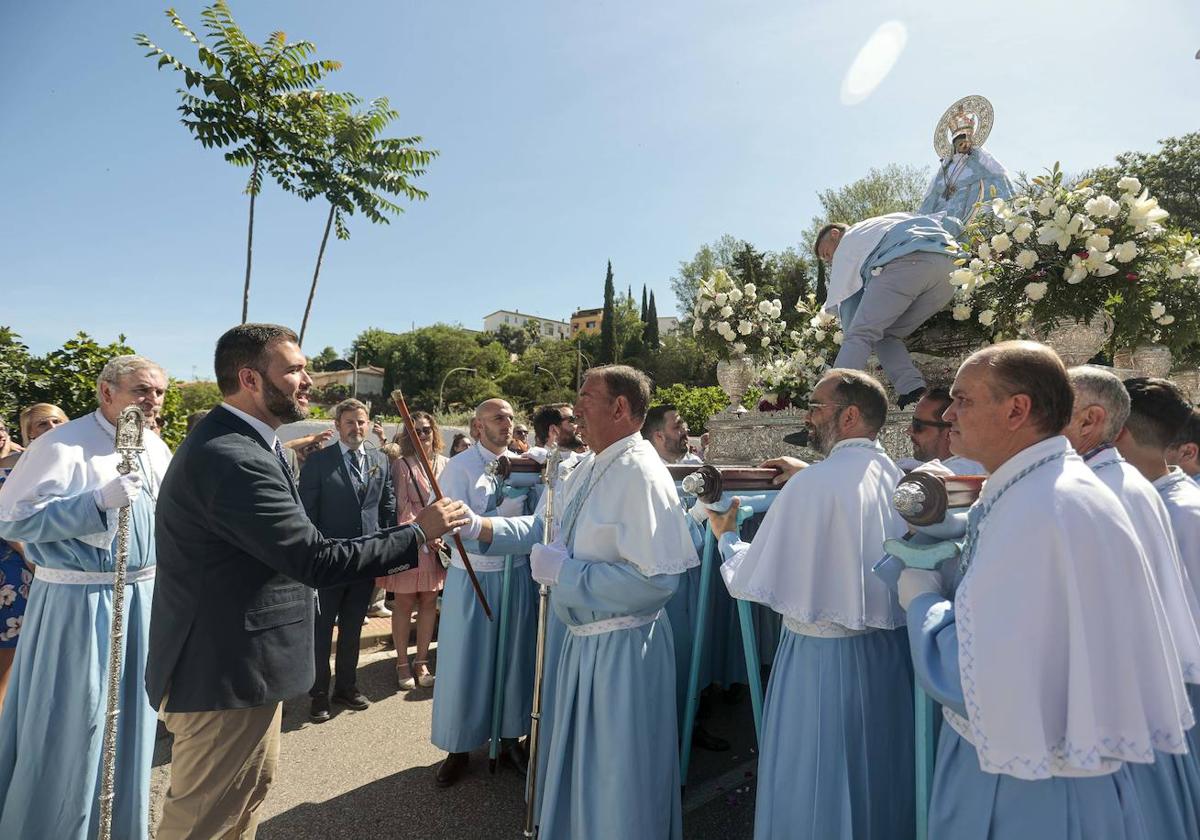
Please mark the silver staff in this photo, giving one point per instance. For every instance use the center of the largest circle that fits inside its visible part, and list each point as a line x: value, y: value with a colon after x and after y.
x: 550, y: 476
x: 130, y: 426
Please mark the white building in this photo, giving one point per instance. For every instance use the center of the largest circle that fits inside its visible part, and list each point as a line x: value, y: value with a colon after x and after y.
x: 667, y: 325
x: 547, y: 327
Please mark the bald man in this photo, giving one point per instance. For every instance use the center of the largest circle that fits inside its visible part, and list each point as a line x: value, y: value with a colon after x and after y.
x: 462, y: 695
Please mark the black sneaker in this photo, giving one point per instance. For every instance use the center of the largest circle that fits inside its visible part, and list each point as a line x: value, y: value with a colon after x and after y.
x: 909, y: 398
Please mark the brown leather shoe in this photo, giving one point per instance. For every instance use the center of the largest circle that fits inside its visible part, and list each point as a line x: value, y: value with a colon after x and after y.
x: 452, y: 769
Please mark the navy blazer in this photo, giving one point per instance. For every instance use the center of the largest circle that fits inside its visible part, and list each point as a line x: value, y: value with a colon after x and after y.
x: 335, y: 504
x: 231, y: 624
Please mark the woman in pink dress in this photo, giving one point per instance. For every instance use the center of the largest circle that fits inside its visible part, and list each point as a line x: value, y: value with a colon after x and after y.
x: 417, y: 587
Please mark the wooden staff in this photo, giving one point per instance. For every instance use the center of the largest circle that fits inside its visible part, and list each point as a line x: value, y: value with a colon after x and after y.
x: 419, y: 448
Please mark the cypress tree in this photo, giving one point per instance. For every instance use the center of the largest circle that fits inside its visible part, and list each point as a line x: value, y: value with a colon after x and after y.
x: 608, y: 322
x: 644, y: 303
x: 652, y: 336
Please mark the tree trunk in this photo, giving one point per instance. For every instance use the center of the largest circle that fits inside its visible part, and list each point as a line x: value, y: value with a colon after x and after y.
x: 249, y: 247
x: 312, y: 290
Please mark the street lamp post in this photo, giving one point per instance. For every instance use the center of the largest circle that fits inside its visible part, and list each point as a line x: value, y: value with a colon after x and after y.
x: 442, y: 387
x: 540, y: 369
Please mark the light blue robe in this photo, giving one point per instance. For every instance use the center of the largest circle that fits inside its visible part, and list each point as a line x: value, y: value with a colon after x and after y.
x: 970, y: 804
x: 53, y: 720
x: 969, y: 177
x: 919, y: 234
x: 611, y: 766
x: 1182, y: 498
x: 836, y: 757
x: 467, y: 640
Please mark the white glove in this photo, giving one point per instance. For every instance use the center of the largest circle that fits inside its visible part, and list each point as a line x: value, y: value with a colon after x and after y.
x: 471, y: 530
x: 914, y: 582
x: 546, y: 562
x: 699, y: 512
x: 538, y: 453
x: 119, y: 492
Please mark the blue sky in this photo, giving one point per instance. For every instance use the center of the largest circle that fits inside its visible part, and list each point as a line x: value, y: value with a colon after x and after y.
x: 570, y: 134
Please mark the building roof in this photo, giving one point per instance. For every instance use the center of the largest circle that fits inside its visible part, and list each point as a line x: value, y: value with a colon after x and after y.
x: 522, y: 314
x: 583, y: 313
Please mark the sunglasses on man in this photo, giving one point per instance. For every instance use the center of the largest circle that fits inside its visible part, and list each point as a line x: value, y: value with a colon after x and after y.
x: 919, y: 425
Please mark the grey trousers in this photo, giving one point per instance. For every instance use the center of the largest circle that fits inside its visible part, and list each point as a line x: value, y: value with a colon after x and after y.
x: 904, y: 295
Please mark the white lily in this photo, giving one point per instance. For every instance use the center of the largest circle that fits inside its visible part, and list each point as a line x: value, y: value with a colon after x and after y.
x: 1144, y: 212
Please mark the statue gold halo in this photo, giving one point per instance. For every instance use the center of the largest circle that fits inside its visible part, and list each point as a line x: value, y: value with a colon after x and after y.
x: 975, y: 110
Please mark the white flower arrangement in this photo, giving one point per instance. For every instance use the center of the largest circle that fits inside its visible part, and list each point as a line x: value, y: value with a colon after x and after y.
x: 729, y: 317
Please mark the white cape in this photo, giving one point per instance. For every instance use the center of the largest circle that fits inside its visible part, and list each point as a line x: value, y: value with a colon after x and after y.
x: 75, y: 458
x: 1065, y: 666
x: 857, y: 243
x: 811, y: 559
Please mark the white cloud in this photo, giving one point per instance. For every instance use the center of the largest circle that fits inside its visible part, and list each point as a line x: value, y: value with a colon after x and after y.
x: 874, y: 61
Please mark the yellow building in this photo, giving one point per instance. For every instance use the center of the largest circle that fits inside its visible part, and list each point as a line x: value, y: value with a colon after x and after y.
x: 586, y: 321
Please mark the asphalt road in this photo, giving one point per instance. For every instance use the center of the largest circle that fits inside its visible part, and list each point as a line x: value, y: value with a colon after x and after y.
x: 370, y: 774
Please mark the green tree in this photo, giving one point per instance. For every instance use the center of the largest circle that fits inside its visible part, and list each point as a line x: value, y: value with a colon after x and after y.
x: 709, y: 258
x: 1172, y: 174
x: 18, y: 378
x: 201, y: 395
x: 645, y: 305
x: 608, y: 326
x: 354, y: 169
x: 322, y: 360
x: 889, y: 190
x: 694, y: 405
x: 653, y: 340
x: 256, y: 100
x: 373, y: 346
x: 513, y: 339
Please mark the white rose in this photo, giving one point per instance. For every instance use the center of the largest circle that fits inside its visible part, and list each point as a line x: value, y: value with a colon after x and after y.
x: 764, y: 306
x: 745, y: 328
x: 1129, y: 184
x: 1046, y: 206
x: 1157, y: 310
x: 1097, y: 242
x: 750, y: 289
x: 961, y: 312
x: 1022, y: 231
x: 1167, y: 320
x: 976, y: 265
x: 1125, y: 252
x: 962, y: 277
x: 839, y: 337
x: 726, y: 311
x: 986, y: 317
x: 1036, y: 291
x: 1102, y: 207
x: 722, y: 298
x: 739, y: 348
x: 723, y: 327
x: 705, y: 305
x: 1000, y: 243
x: 735, y: 294
x: 985, y: 253
x: 1027, y: 259
x: 766, y: 342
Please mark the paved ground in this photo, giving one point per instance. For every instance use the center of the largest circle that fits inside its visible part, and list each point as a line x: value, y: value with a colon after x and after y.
x: 370, y: 774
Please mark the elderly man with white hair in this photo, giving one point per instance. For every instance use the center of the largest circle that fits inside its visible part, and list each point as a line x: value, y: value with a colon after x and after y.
x: 62, y: 501
x: 1169, y: 789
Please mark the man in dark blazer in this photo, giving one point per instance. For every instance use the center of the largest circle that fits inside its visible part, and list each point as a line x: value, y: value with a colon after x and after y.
x: 347, y: 491
x: 231, y: 628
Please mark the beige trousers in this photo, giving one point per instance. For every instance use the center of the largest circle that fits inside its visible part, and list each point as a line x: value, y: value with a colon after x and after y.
x: 222, y: 765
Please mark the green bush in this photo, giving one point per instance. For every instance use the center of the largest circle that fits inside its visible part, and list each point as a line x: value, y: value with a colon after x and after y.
x: 695, y: 405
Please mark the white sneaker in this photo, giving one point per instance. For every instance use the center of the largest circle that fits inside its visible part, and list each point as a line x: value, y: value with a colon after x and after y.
x: 379, y: 611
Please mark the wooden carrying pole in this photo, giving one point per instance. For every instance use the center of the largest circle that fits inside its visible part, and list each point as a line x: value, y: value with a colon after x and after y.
x: 418, y: 447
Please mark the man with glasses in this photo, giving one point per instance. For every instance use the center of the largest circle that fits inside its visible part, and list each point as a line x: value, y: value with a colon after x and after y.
x: 838, y: 711
x: 930, y: 436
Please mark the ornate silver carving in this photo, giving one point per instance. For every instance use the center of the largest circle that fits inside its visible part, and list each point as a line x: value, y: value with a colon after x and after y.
x: 128, y: 443
x: 735, y: 377
x: 909, y: 500
x: 1075, y: 342
x: 1146, y: 360
x: 973, y: 114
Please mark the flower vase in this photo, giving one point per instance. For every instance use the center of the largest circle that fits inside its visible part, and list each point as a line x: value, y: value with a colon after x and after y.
x: 1075, y: 342
x: 1153, y: 360
x: 735, y: 377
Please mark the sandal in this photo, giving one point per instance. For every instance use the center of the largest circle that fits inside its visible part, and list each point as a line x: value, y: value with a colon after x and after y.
x: 425, y: 678
x: 404, y: 675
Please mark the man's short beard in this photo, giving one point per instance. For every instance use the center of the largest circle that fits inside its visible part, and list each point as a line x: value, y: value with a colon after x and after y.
x: 282, y: 405
x: 821, y: 439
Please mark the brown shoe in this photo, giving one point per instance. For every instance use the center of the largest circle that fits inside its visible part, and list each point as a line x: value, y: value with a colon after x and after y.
x: 452, y: 769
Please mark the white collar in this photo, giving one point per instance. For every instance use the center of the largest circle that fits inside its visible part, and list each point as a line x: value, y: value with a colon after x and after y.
x: 999, y: 479
x: 342, y: 445
x: 618, y: 448
x: 264, y: 431
x: 1173, y: 476
x: 855, y: 443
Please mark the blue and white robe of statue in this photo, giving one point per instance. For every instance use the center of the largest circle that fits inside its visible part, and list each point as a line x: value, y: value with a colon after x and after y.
x: 1169, y: 789
x: 467, y: 640
x: 52, y: 725
x: 1182, y: 498
x: 1047, y: 690
x: 836, y: 753
x: 612, y: 764
x: 974, y: 177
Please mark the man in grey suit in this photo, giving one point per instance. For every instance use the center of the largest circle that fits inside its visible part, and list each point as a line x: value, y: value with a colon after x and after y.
x: 347, y: 491
x: 231, y: 627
